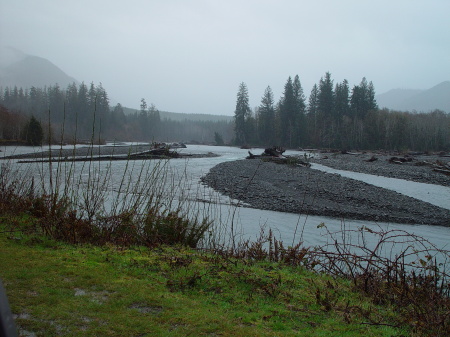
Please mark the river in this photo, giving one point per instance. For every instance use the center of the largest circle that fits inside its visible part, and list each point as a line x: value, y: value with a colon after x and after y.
x: 248, y: 222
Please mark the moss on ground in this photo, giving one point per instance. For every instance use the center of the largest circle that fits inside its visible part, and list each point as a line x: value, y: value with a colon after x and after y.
x: 56, y: 289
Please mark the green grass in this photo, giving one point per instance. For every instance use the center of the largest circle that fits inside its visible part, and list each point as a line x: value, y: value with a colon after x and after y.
x: 56, y: 289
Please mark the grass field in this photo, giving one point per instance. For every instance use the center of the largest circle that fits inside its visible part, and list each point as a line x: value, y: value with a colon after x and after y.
x: 57, y: 289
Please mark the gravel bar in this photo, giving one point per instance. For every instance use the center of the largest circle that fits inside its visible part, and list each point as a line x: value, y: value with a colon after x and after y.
x: 408, y: 170
x: 285, y: 188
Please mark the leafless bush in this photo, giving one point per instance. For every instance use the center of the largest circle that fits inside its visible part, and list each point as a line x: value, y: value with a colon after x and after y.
x: 88, y: 202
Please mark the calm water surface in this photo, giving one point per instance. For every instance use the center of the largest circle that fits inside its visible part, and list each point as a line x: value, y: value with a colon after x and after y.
x: 247, y: 222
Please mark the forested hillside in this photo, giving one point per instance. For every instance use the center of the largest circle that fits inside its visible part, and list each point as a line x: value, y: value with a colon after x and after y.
x: 336, y: 116
x: 333, y: 116
x: 83, y: 113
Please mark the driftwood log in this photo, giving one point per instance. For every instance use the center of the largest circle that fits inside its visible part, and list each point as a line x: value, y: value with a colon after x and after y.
x: 276, y: 152
x: 437, y: 166
x: 399, y: 160
x: 371, y: 159
x: 275, y: 155
x: 444, y: 171
x: 350, y: 153
x: 162, y: 151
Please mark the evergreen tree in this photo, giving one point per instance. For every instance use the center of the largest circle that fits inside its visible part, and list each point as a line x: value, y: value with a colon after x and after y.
x: 363, y: 99
x: 143, y: 120
x: 325, y: 110
x: 218, y: 139
x: 38, y: 103
x: 154, y: 121
x: 342, y: 100
x: 372, y: 103
x: 299, y: 95
x: 33, y: 132
x: 300, y: 129
x: 325, y: 97
x: 288, y: 109
x: 6, y: 99
x: 342, y: 116
x: 103, y: 110
x: 117, y: 123
x: 266, y: 118
x: 71, y: 107
x: 84, y: 124
x: 251, y: 129
x: 56, y: 104
x: 91, y: 121
x: 313, y: 103
x: 241, y: 114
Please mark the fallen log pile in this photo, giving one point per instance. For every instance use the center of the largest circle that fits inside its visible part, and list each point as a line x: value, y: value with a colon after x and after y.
x: 371, y: 159
x: 275, y: 155
x: 160, y: 152
x: 437, y: 166
x: 400, y: 160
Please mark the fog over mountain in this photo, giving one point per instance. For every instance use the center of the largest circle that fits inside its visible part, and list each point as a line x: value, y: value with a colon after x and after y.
x: 437, y: 97
x: 22, y: 70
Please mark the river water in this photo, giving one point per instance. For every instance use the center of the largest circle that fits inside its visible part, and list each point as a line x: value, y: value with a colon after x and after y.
x: 232, y: 218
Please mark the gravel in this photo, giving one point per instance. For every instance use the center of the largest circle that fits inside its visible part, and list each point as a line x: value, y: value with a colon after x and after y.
x: 418, y: 169
x: 278, y: 187
x: 120, y: 152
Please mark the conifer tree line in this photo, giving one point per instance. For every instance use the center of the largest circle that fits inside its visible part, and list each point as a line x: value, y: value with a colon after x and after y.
x: 83, y: 113
x: 335, y: 116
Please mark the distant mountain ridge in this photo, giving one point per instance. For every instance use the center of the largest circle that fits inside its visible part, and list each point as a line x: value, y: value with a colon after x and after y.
x: 22, y: 70
x: 437, y: 97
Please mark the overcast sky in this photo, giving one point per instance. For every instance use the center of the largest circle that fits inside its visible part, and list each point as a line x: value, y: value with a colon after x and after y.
x: 190, y: 56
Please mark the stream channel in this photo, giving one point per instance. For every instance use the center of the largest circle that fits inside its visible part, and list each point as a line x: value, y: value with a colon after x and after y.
x: 248, y: 222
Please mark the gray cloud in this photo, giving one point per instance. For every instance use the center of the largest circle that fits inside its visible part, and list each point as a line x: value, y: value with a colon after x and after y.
x: 190, y: 56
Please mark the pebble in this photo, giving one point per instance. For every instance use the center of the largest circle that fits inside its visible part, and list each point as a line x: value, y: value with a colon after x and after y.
x: 277, y: 187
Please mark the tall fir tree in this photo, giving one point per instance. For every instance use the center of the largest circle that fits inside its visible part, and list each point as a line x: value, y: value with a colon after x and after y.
x: 241, y: 114
x: 300, y: 107
x: 363, y: 99
x: 143, y: 120
x: 325, y: 111
x: 266, y: 118
x: 83, y: 116
x: 342, y: 100
x: 154, y: 122
x: 288, y: 107
x: 372, y: 103
x: 34, y: 133
x: 71, y: 107
x: 103, y: 109
x: 313, y: 104
x: 326, y: 97
x: 56, y: 104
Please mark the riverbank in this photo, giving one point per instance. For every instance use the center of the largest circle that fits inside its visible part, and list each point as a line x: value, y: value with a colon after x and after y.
x: 417, y: 168
x: 64, y: 290
x: 102, y: 153
x: 284, y: 188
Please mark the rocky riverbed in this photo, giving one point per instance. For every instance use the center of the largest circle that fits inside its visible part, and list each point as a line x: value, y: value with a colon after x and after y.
x: 270, y: 186
x: 417, y: 168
